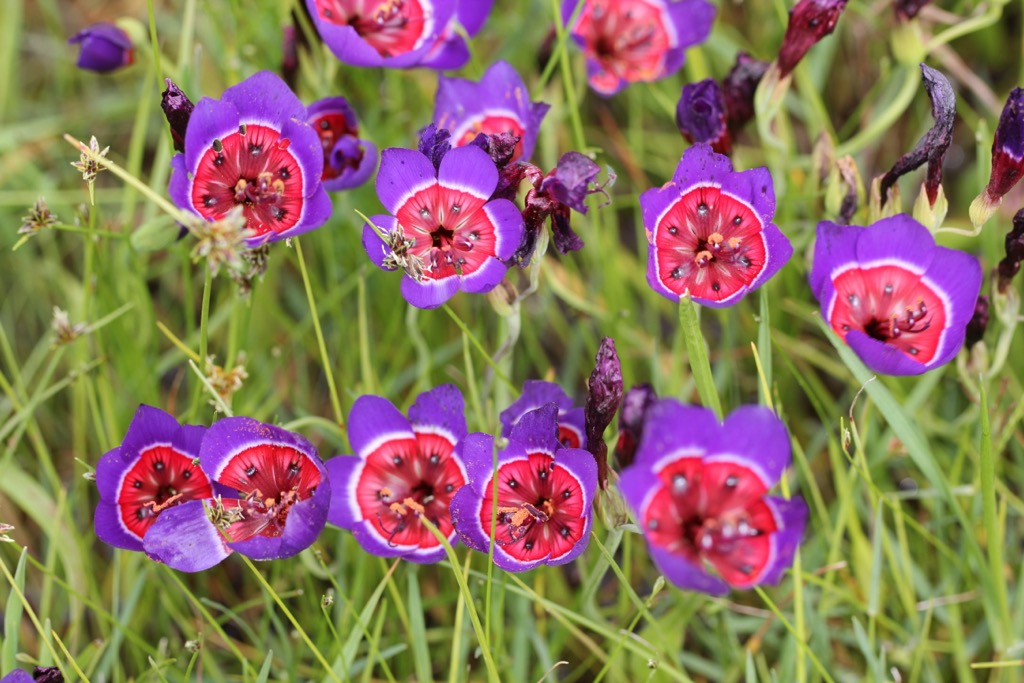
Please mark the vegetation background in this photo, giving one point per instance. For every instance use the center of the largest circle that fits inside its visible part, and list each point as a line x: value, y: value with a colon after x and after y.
x: 911, y: 567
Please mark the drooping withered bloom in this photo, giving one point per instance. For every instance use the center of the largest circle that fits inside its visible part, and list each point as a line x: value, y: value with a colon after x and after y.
x: 699, y: 490
x: 348, y: 159
x: 1007, y: 159
x: 177, y: 109
x: 701, y: 115
x: 254, y: 149
x: 271, y: 499
x: 498, y: 103
x: 710, y: 230
x: 738, y: 89
x: 538, y: 393
x: 629, y: 41
x: 403, y: 471
x: 603, y: 398
x: 809, y: 22
x: 41, y: 674
x: 901, y: 302
x: 152, y: 471
x: 445, y: 231
x: 1013, y: 245
x: 545, y: 495
x: 104, y: 47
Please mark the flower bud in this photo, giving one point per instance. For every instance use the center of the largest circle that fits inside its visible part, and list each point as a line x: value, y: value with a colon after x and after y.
x: 104, y: 47
x: 738, y: 90
x: 700, y: 115
x: 603, y: 401
x: 1007, y: 159
x: 177, y: 110
x: 809, y: 22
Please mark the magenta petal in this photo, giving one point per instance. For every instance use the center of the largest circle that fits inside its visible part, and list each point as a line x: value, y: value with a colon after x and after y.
x: 469, y: 169
x: 440, y: 410
x: 111, y: 530
x: 374, y: 421
x: 429, y: 293
x: 183, y: 538
x: 403, y: 172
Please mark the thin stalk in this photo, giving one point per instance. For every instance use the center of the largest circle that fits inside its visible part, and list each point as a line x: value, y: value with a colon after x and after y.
x: 325, y: 360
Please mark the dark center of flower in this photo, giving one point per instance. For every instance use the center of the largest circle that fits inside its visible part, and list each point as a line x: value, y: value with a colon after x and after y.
x: 391, y: 27
x: 161, y: 478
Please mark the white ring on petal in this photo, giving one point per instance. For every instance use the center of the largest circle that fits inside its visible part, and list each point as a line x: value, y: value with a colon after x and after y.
x: 478, y: 118
x: 370, y: 448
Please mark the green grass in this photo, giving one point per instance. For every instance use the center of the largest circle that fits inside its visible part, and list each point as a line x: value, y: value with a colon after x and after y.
x: 911, y: 566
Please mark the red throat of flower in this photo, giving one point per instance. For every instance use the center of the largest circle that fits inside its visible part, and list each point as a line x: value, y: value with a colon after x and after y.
x: 569, y: 437
x: 404, y: 479
x: 391, y: 27
x: 252, y: 168
x: 892, y: 304
x: 540, y: 508
x: 331, y: 126
x: 162, y: 477
x: 709, y: 243
x: 271, y: 478
x: 490, y: 124
x: 715, y: 512
x: 628, y: 39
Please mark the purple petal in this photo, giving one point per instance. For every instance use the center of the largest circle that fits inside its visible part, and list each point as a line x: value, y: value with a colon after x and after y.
x: 373, y: 244
x: 373, y: 421
x: 333, y: 105
x: 898, y: 237
x: 673, y: 428
x: 883, y: 358
x: 469, y: 169
x: 104, y: 47
x: 111, y: 530
x: 304, y: 144
x: 485, y: 278
x: 18, y: 676
x: 835, y: 246
x: 701, y: 165
x: 476, y: 450
x: 757, y: 438
x: 228, y: 437
x: 508, y: 226
x: 440, y: 410
x: 472, y: 14
x: 536, y: 393
x: 958, y: 276
x: 211, y: 120
x: 449, y: 52
x: 692, y: 20
x: 537, y: 430
x: 403, y: 172
x: 367, y: 537
x: 109, y: 473
x: 753, y: 187
x: 779, y: 251
x: 791, y: 516
x: 316, y: 210
x: 343, y: 471
x: 685, y: 574
x: 637, y: 482
x: 465, y: 511
x: 184, y: 538
x: 305, y: 521
x: 180, y: 185
x: 151, y: 426
x: 350, y: 147
x: 429, y: 293
x: 580, y: 464
x: 265, y: 98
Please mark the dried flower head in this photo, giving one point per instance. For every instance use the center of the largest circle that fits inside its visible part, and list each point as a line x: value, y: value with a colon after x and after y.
x: 39, y: 217
x: 4, y: 528
x: 89, y: 164
x: 64, y: 332
x: 222, y: 242
x: 226, y: 382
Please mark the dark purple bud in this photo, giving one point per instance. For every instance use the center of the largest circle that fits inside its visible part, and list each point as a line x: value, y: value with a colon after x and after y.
x: 104, y: 47
x: 290, y: 55
x: 563, y: 236
x: 570, y: 182
x: 738, y: 90
x: 932, y: 147
x: 979, y: 321
x: 809, y: 22
x: 908, y: 9
x: 47, y: 674
x: 631, y: 422
x: 434, y: 144
x: 603, y: 400
x: 178, y: 110
x: 501, y: 147
x: 1014, y: 244
x: 1008, y: 147
x: 700, y: 115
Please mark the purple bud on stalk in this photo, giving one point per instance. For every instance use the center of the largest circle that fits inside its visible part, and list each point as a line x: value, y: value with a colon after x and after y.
x: 1007, y: 158
x: 809, y: 22
x: 603, y: 401
x: 104, y: 46
x: 978, y: 323
x: 701, y: 117
x: 178, y: 110
x: 738, y: 90
x: 1014, y: 245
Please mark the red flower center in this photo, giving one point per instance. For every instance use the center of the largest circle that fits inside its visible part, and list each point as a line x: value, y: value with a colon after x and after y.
x: 890, y: 303
x: 252, y: 168
x: 404, y: 479
x: 391, y: 27
x: 712, y: 511
x: 540, y: 508
x: 627, y: 38
x: 331, y: 127
x: 709, y: 243
x: 490, y: 124
x: 569, y: 437
x: 161, y: 478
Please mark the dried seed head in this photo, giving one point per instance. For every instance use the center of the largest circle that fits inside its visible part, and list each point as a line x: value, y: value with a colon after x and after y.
x: 89, y: 164
x: 64, y: 332
x: 38, y: 218
x: 222, y: 243
x: 226, y: 382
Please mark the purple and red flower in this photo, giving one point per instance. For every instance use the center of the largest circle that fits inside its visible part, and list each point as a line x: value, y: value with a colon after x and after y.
x: 698, y: 487
x: 626, y: 41
x: 537, y: 393
x: 450, y: 51
x: 41, y: 674
x: 104, y: 47
x: 710, y: 230
x: 498, y: 103
x: 151, y: 472
x: 253, y: 148
x: 901, y: 302
x: 348, y: 159
x: 445, y: 231
x: 404, y: 469
x: 1007, y: 158
x: 545, y: 495
x: 271, y: 496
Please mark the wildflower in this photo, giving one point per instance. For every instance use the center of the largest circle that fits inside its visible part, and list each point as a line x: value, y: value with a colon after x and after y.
x: 544, y: 508
x: 710, y: 230
x: 626, y: 41
x: 537, y: 393
x: 178, y: 110
x: 348, y: 159
x: 404, y: 469
x: 635, y: 405
x: 1013, y: 245
x: 901, y: 302
x: 498, y: 103
x: 698, y: 487
x: 39, y: 218
x: 603, y: 399
x: 224, y: 381
x: 253, y: 149
x: 1007, y: 158
x: 152, y: 471
x: 273, y: 496
x: 450, y: 50
x: 700, y: 115
x: 460, y: 236
x: 809, y: 22
x: 388, y: 33
x: 222, y: 242
x: 104, y: 47
x: 41, y: 674
x: 738, y: 89
x: 975, y: 331
x: 88, y: 163
x: 63, y: 331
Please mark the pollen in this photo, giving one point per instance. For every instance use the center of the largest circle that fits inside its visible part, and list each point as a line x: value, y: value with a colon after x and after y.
x: 703, y: 257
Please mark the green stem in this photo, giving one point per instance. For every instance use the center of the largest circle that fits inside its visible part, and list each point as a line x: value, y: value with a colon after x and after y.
x: 700, y: 366
x: 882, y: 122
x: 324, y: 358
x: 994, y: 537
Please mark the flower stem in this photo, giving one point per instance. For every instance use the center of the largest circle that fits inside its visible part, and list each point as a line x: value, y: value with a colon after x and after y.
x: 324, y: 358
x: 700, y: 366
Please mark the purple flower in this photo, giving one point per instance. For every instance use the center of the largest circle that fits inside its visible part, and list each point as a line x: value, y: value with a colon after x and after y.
x: 626, y: 41
x: 151, y: 472
x: 499, y: 103
x: 698, y: 487
x: 545, y: 497
x: 901, y: 302
x: 1007, y: 158
x: 104, y: 47
x: 738, y: 89
x: 177, y: 110
x: 253, y: 148
x: 603, y: 398
x: 700, y: 115
x: 450, y: 50
x: 402, y: 469
x: 272, y: 499
x: 537, y: 393
x: 445, y: 232
x: 348, y: 159
x: 388, y: 33
x: 710, y: 230
x: 41, y: 674
x: 809, y: 22
x: 1013, y: 245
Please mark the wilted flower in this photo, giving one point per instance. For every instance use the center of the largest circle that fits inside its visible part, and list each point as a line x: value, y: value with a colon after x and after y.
x: 698, y: 487
x: 544, y: 506
x: 39, y: 218
x: 603, y: 399
x: 226, y: 381
x: 348, y: 159
x: 88, y: 164
x: 63, y: 331
x: 403, y: 470
x: 104, y: 47
x: 901, y: 302
x: 738, y: 89
x: 710, y: 230
x: 177, y: 110
x: 1013, y: 245
x: 572, y: 431
x: 41, y: 674
x: 701, y: 115
x: 1007, y: 158
x: 809, y: 22
x: 978, y: 323
x: 626, y: 41
x: 908, y: 9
